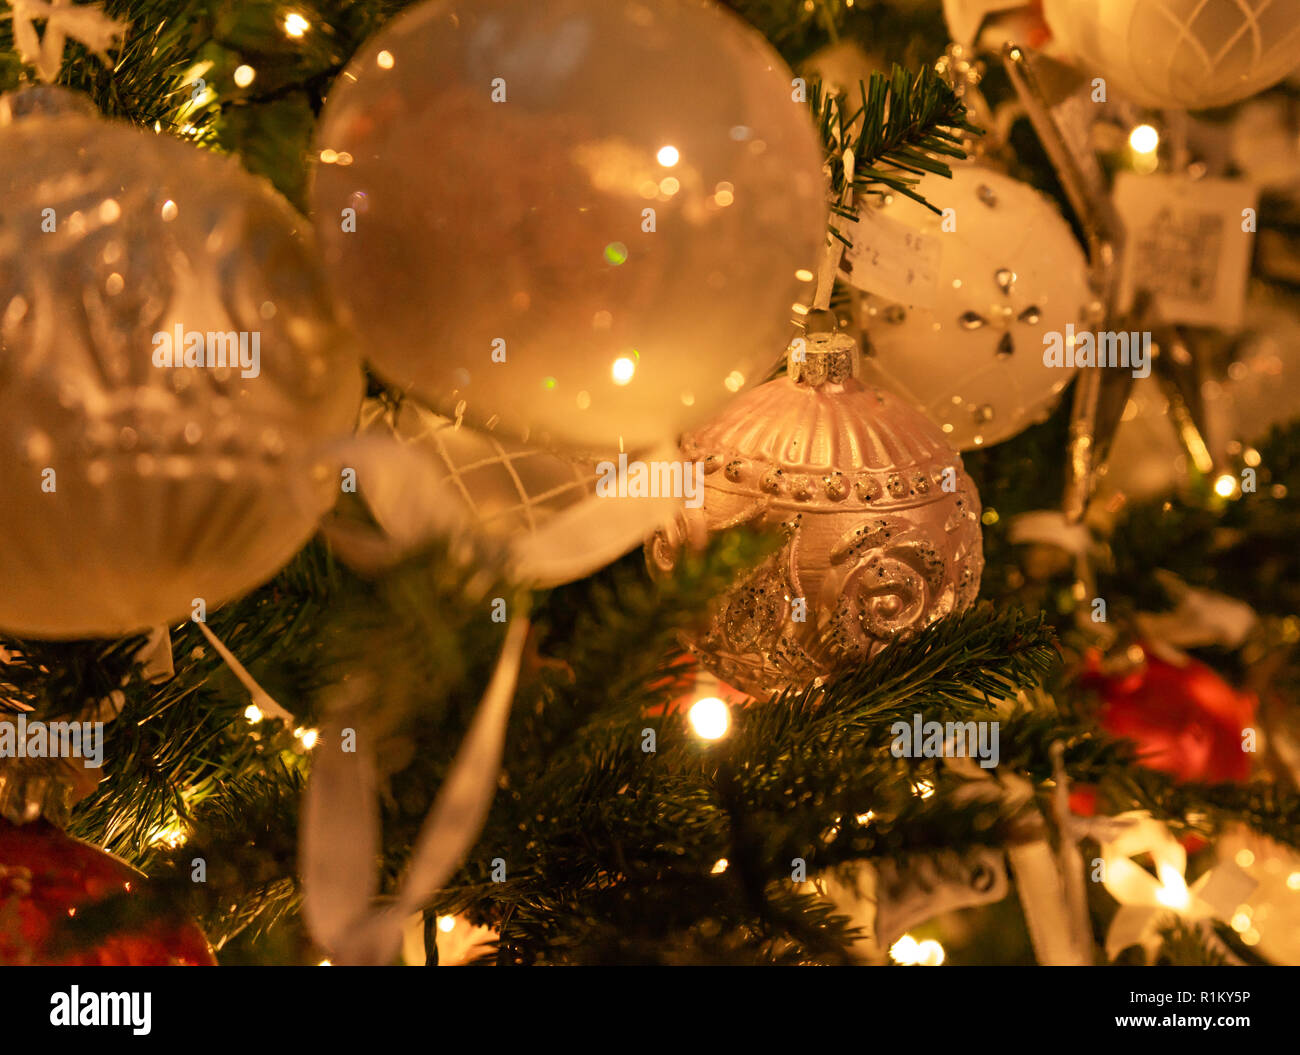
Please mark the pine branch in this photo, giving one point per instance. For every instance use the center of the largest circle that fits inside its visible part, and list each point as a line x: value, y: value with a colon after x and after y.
x: 901, y: 128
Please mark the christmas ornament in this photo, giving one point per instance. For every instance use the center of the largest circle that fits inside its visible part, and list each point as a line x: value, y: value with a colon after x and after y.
x: 555, y: 516
x: 881, y: 522
x: 1189, y: 54
x: 46, y: 876
x: 505, y: 489
x: 169, y: 358
x: 1184, y: 718
x: 560, y: 219
x: 1010, y: 275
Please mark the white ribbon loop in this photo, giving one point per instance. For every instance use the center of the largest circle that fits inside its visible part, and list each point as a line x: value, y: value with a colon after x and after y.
x: 340, y: 842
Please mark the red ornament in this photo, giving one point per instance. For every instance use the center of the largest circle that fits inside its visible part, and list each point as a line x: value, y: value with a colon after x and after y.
x: 1186, y: 720
x: 46, y: 876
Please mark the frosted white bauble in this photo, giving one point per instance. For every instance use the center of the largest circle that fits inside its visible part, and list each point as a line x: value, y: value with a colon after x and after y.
x: 132, y: 489
x: 622, y: 201
x: 1009, y: 273
x: 1188, y: 54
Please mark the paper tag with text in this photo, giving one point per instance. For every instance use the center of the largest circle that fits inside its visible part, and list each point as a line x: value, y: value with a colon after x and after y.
x: 1189, y: 243
x: 891, y: 259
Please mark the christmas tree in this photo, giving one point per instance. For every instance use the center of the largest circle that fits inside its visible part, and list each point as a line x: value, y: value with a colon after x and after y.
x: 771, y: 482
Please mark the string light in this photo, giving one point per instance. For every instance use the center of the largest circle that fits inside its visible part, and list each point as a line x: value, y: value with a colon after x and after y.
x: 295, y: 25
x: 909, y: 952
x: 306, y: 737
x: 1173, y: 892
x: 171, y: 836
x: 1144, y: 139
x: 253, y: 713
x: 719, y: 866
x: 1225, y: 486
x: 446, y: 924
x: 668, y: 156
x: 244, y: 76
x: 710, y: 718
x: 622, y: 370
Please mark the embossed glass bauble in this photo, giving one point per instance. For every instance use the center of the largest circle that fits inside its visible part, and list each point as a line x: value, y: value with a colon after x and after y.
x: 169, y: 364
x: 880, y: 523
x: 1011, y: 273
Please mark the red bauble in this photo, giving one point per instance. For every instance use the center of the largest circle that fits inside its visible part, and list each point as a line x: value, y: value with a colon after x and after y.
x: 1186, y: 720
x: 46, y: 875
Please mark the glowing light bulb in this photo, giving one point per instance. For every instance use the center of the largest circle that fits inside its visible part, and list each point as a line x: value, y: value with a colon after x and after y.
x: 1144, y: 139
x: 295, y: 25
x: 710, y: 718
x: 929, y: 953
x: 905, y: 951
x: 253, y: 713
x: 668, y: 156
x: 622, y: 370
x: 446, y: 923
x: 719, y: 866
x: 244, y: 76
x: 384, y: 60
x: 1173, y: 892
x: 307, y: 737
x: 1225, y: 486
x: 172, y: 836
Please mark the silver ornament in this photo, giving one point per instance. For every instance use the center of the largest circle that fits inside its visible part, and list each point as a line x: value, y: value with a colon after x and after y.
x: 146, y: 469
x: 881, y: 522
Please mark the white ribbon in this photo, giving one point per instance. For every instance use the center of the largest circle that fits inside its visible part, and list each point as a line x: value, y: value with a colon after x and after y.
x: 1147, y: 900
x: 340, y: 841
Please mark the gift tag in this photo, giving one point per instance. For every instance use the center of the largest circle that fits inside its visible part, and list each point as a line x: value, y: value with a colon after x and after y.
x: 1189, y: 244
x: 891, y: 259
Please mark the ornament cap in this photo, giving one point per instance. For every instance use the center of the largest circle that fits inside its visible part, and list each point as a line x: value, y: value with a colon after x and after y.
x: 822, y: 358
x: 36, y: 789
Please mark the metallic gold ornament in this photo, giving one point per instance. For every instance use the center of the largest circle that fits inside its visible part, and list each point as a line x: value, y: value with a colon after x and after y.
x: 881, y: 522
